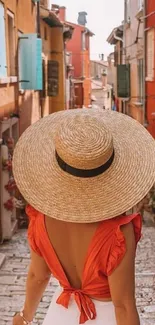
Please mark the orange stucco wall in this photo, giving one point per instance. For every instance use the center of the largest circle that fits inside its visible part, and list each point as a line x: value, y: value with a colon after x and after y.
x: 133, y: 53
x: 57, y: 48
x: 81, y: 61
x: 11, y: 100
x: 150, y: 85
x: 87, y: 80
x: 53, y: 49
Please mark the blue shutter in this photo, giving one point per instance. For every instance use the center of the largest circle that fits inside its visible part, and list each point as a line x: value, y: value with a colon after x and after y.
x: 30, y: 62
x: 39, y: 80
x: 3, y: 67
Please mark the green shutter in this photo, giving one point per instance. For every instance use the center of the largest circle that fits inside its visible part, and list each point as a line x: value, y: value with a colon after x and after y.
x: 30, y: 62
x: 123, y: 80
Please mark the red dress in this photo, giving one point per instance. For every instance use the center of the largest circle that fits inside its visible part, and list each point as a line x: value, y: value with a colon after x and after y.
x: 105, y: 252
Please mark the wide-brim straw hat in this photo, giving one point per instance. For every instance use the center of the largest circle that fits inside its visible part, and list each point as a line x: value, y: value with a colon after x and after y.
x: 84, y: 165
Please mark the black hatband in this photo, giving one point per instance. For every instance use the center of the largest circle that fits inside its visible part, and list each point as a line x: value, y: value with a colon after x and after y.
x: 84, y: 173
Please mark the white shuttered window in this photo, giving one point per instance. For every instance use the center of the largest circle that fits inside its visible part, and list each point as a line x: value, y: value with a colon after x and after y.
x: 150, y: 54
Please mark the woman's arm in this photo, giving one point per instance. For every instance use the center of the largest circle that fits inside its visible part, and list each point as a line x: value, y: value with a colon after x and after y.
x: 122, y: 282
x: 37, y: 280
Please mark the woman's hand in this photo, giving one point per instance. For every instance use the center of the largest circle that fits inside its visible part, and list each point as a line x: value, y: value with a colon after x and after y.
x: 17, y: 320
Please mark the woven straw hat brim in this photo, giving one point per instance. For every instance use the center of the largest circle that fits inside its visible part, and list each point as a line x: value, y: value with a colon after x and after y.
x: 62, y: 196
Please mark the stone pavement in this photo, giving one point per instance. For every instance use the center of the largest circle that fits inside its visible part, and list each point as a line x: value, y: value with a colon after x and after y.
x: 14, y: 269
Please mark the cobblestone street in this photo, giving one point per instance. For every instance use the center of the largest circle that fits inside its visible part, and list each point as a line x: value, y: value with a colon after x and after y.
x: 14, y: 269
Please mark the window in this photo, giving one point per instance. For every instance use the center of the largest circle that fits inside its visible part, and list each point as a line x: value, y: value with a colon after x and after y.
x: 11, y: 43
x: 150, y: 55
x: 3, y: 66
x: 140, y: 79
x: 53, y: 78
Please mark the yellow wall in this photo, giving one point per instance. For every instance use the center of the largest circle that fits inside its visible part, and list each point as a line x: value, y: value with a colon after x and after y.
x: 53, y: 49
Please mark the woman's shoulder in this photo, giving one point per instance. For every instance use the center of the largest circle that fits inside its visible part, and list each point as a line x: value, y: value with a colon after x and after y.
x: 124, y: 227
x: 125, y: 219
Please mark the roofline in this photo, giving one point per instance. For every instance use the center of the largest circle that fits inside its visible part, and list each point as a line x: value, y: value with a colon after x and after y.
x: 110, y: 38
x: 81, y: 26
x: 49, y: 17
x: 101, y: 63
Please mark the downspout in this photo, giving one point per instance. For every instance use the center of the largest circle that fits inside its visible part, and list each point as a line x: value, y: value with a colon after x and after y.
x: 38, y: 20
x: 65, y: 72
x: 144, y: 70
x: 39, y: 36
x: 118, y: 38
x: 124, y: 42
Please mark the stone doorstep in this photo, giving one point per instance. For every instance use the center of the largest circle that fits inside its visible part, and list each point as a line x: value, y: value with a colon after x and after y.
x: 2, y: 259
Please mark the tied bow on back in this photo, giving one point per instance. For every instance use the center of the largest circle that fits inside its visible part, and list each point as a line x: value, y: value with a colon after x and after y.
x: 84, y: 303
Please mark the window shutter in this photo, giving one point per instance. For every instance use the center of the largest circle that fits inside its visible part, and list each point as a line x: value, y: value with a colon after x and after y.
x: 3, y: 65
x: 53, y: 78
x: 123, y: 80
x: 150, y: 54
x: 30, y: 62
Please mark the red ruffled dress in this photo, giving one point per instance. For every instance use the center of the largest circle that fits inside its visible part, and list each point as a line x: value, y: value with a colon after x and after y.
x: 70, y: 306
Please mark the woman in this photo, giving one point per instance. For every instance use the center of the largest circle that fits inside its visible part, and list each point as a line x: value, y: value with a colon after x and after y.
x: 80, y: 170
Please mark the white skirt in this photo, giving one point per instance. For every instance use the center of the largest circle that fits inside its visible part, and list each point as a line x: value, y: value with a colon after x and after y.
x: 58, y: 315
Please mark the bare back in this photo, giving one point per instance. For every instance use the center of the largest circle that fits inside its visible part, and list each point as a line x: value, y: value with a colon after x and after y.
x: 71, y: 243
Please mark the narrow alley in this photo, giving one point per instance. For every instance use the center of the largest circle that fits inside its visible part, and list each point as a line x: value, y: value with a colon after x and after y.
x: 13, y: 277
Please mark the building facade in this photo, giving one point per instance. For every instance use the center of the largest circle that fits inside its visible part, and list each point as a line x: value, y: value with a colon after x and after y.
x: 18, y: 107
x: 32, y: 85
x: 129, y: 57
x: 134, y: 56
x: 115, y: 60
x: 52, y: 31
x: 101, y: 90
x: 98, y: 68
x: 150, y: 66
x: 78, y: 46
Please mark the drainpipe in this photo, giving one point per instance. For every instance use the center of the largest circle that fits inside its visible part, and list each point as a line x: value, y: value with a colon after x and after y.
x: 1, y: 141
x: 124, y: 43
x: 144, y: 69
x: 38, y: 20
x: 39, y: 36
x: 118, y: 38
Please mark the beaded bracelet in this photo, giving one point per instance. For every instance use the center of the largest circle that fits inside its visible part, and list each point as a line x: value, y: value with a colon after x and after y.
x: 25, y: 321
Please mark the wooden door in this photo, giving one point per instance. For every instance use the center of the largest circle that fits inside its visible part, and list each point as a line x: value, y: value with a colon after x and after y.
x: 78, y: 90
